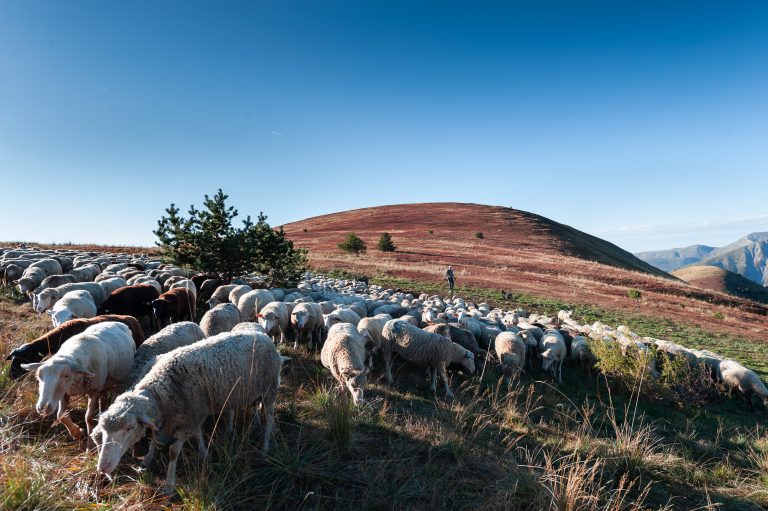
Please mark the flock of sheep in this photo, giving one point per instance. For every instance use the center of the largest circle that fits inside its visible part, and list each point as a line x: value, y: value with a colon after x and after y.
x: 103, y: 306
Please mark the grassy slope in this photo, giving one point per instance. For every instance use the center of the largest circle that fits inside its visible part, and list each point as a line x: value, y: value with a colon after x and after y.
x: 714, y: 277
x: 488, y: 449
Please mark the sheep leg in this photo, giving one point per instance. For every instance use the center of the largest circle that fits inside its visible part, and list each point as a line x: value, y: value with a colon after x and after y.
x: 269, y: 412
x: 173, y: 456
x: 90, y: 417
x: 202, y: 448
x: 432, y: 374
x: 62, y: 416
x: 444, y: 375
x: 560, y: 372
x: 150, y: 453
x: 388, y: 367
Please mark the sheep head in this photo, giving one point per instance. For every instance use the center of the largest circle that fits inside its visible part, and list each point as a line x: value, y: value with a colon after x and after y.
x: 121, y: 426
x: 355, y: 380
x: 55, y: 379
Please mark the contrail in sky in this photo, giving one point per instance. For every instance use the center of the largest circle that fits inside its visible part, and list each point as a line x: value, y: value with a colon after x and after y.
x: 278, y: 134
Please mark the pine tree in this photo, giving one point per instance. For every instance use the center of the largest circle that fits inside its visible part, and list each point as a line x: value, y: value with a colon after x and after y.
x: 207, y: 241
x: 353, y: 244
x: 385, y: 243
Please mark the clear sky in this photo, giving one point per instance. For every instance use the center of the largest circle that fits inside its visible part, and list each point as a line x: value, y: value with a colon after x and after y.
x: 645, y: 123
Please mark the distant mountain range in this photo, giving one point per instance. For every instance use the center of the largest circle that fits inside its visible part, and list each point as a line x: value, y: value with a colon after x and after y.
x: 747, y: 256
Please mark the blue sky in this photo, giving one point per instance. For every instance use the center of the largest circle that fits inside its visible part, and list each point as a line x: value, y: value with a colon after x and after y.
x: 645, y: 123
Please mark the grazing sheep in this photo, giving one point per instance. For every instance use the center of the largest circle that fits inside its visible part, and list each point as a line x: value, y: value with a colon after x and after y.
x: 73, y: 305
x: 143, y: 279
x: 227, y: 372
x: 88, y: 363
x: 248, y: 328
x: 370, y: 329
x: 344, y: 355
x: 30, y: 279
x: 55, y: 281
x: 307, y: 321
x: 274, y: 317
x: 735, y: 376
x: 552, y: 353
x: 185, y: 284
x: 580, y: 351
x: 220, y: 295
x: 222, y: 318
x: 49, y: 343
x: 238, y: 292
x: 49, y: 266
x: 112, y: 284
x: 48, y: 297
x: 423, y: 348
x: 340, y: 316
x: 168, y: 339
x: 133, y: 301
x: 252, y: 302
x: 207, y: 288
x: 465, y: 339
x: 510, y: 348
x: 86, y: 273
x: 174, y: 305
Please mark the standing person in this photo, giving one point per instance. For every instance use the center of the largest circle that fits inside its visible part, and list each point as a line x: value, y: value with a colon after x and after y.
x: 450, y: 277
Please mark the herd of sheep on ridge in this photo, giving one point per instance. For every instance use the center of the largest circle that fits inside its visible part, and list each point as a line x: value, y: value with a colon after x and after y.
x: 103, y: 307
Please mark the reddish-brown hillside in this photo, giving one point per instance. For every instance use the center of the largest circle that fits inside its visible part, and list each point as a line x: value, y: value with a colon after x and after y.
x: 521, y: 252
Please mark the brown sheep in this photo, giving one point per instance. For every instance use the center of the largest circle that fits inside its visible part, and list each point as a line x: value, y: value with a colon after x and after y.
x: 49, y: 343
x: 175, y: 305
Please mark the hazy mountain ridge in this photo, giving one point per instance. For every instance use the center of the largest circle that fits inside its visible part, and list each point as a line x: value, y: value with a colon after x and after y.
x: 672, y: 259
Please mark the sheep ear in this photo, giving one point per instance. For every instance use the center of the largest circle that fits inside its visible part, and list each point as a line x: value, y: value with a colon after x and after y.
x: 540, y: 355
x: 30, y: 367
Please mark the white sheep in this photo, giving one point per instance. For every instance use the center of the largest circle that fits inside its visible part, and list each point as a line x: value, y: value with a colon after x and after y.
x: 238, y: 292
x: 74, y: 304
x: 248, y: 328
x: 735, y: 376
x: 344, y: 355
x: 580, y: 351
x: 166, y: 340
x: 221, y: 318
x: 552, y: 352
x: 307, y: 321
x: 252, y: 302
x: 370, y: 329
x: 88, y: 363
x: 221, y: 295
x: 185, y: 284
x: 424, y: 349
x: 340, y: 316
x: 227, y: 372
x: 30, y: 279
x: 48, y: 297
x: 112, y: 284
x: 511, y: 349
x: 275, y: 318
